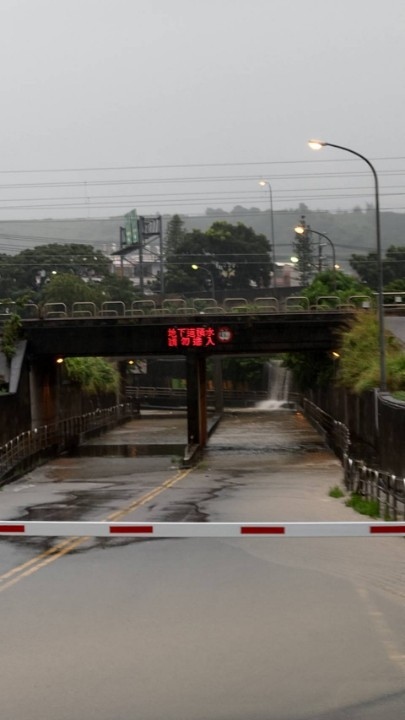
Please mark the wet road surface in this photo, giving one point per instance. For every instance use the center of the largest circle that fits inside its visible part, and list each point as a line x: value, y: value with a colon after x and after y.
x: 252, y: 629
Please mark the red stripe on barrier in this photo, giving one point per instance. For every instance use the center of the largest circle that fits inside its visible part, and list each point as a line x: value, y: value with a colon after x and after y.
x: 377, y: 529
x: 262, y: 530
x: 12, y: 528
x: 131, y: 529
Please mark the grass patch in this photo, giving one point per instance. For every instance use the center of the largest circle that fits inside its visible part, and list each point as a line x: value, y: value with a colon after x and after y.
x: 336, y: 492
x: 363, y: 506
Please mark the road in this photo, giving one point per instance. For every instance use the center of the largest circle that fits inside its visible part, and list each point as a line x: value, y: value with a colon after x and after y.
x: 232, y: 629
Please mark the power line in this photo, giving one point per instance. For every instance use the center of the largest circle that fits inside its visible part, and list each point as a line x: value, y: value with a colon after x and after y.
x: 186, y: 203
x: 261, y: 163
x: 280, y: 195
x: 193, y: 178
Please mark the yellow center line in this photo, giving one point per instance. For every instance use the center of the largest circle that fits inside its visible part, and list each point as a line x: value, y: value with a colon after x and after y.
x: 35, y: 559
x: 149, y: 496
x: 64, y: 547
x: 73, y: 543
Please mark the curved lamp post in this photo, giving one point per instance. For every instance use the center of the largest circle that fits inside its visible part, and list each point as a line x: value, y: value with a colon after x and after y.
x: 265, y: 183
x: 299, y: 229
x: 201, y: 267
x: 317, y: 145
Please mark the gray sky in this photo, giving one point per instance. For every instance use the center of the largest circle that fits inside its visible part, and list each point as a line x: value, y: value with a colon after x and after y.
x: 239, y: 84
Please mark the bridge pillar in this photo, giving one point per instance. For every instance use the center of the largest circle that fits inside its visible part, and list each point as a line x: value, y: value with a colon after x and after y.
x: 43, y: 392
x: 218, y: 386
x: 196, y: 401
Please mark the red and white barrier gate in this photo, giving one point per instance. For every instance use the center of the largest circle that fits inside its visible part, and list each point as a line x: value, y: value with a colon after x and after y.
x: 201, y: 530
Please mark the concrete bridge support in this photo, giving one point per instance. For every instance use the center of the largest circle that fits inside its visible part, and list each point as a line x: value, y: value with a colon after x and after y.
x: 218, y: 386
x: 196, y: 401
x: 44, y: 392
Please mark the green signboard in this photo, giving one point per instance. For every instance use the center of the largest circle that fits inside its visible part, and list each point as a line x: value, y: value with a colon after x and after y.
x: 130, y: 238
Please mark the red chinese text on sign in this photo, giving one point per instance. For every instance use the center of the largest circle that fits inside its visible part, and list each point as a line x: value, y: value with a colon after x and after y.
x: 190, y: 336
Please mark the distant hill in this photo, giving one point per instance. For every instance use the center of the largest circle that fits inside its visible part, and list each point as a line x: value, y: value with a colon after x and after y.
x: 16, y: 235
x: 350, y: 231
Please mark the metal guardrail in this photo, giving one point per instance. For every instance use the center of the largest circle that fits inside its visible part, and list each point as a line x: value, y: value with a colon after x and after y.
x: 25, y: 451
x: 370, y: 483
x: 192, y: 306
x: 387, y: 489
x: 170, y: 307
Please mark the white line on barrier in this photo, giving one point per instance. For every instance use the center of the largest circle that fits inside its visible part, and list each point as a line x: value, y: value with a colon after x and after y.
x: 201, y: 530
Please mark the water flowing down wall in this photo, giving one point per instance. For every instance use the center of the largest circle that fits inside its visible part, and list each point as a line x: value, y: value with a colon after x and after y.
x: 278, y: 386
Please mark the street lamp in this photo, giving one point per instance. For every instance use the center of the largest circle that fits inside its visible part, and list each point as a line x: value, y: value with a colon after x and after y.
x: 300, y: 229
x: 265, y: 183
x: 317, y: 145
x: 200, y: 267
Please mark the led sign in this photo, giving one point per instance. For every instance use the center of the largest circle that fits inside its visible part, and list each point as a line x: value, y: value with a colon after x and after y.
x: 190, y: 337
x: 197, y: 337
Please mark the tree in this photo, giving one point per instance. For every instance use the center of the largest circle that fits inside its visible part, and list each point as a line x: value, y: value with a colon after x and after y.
x: 366, y: 266
x: 309, y: 369
x: 244, y: 373
x: 234, y: 255
x: 7, y: 281
x: 359, y: 366
x: 332, y: 284
x: 95, y: 374
x: 394, y: 264
x: 115, y: 287
x: 304, y: 252
x: 31, y: 270
x: 175, y: 233
x: 10, y: 333
x: 318, y: 368
x: 68, y: 289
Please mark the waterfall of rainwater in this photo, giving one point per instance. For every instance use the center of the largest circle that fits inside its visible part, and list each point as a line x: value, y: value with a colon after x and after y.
x: 278, y: 386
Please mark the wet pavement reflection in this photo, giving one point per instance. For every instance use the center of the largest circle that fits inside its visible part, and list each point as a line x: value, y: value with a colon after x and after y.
x: 258, y: 451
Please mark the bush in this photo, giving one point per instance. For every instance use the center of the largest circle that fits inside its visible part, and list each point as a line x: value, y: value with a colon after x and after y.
x: 364, y: 506
x: 336, y: 492
x: 93, y: 373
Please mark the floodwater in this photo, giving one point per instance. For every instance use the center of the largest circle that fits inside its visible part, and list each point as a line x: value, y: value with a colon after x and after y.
x: 107, y: 472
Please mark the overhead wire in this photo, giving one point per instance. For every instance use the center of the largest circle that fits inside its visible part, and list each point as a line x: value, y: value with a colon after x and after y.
x: 191, y: 179
x: 189, y: 199
x: 169, y: 166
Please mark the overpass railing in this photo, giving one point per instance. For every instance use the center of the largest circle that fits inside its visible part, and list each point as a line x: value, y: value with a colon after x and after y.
x: 30, y: 448
x: 394, y: 301
x: 207, y: 306
x: 181, y: 306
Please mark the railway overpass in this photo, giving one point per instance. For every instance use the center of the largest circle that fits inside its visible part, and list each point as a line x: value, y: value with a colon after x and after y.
x: 195, y: 335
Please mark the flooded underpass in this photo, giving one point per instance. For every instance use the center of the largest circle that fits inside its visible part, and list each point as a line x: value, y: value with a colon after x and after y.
x: 108, y: 472
x: 205, y: 629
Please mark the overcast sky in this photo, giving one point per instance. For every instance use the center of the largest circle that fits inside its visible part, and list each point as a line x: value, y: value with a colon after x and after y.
x: 240, y: 85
